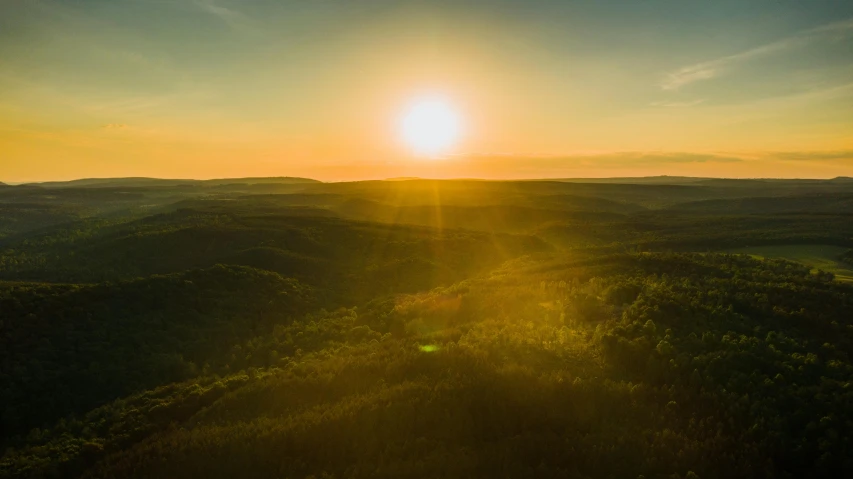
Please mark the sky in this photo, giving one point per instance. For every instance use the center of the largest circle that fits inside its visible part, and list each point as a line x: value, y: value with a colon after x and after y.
x: 317, y: 88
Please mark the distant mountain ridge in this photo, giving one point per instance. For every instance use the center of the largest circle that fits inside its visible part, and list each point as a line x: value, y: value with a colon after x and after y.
x: 697, y: 180
x: 144, y: 181
x: 662, y: 180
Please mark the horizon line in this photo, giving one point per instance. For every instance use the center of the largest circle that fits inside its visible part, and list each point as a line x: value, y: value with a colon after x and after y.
x: 419, y: 178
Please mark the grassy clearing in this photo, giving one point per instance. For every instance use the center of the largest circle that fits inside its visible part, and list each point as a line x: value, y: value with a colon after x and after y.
x: 823, y: 257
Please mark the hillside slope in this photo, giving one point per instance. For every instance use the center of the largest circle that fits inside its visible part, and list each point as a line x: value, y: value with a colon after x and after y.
x: 642, y: 364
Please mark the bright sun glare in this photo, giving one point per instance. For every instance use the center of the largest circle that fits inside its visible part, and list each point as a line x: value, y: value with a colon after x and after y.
x: 430, y: 126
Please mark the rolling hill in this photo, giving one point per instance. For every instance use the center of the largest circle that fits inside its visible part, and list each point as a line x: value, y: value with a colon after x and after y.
x: 424, y: 328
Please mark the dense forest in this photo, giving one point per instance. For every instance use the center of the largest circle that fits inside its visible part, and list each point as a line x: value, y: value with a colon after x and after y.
x: 283, y: 327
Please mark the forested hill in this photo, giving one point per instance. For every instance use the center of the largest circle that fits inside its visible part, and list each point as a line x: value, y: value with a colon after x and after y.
x: 88, y: 343
x: 421, y: 328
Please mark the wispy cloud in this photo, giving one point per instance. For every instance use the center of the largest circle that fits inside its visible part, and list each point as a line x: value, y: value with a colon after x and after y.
x: 693, y: 73
x: 231, y: 17
x: 747, y: 163
x: 666, y: 157
x: 812, y: 155
x: 717, y: 67
x: 608, y: 159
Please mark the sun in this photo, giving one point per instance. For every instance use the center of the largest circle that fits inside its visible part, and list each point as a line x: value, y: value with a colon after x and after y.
x: 430, y: 126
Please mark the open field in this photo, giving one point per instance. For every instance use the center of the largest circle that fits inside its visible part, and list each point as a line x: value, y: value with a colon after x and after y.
x: 824, y: 257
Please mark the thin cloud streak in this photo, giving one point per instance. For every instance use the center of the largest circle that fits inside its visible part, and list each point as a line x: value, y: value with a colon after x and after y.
x: 234, y: 19
x: 646, y: 158
x: 813, y: 155
x: 610, y: 159
x: 715, y: 68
